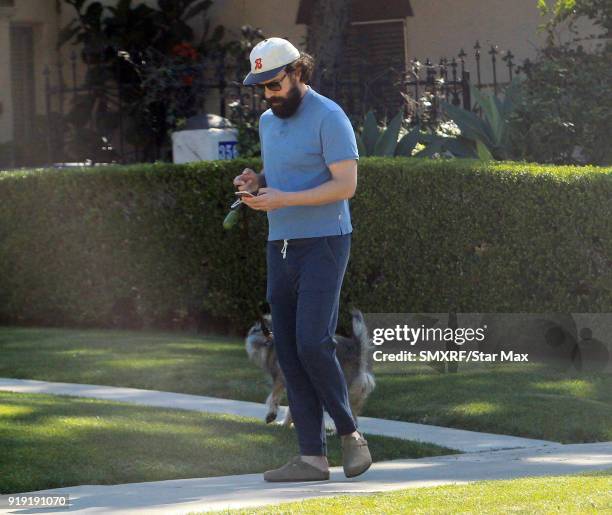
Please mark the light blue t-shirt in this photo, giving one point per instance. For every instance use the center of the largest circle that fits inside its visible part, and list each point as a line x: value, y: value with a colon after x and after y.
x: 296, y: 153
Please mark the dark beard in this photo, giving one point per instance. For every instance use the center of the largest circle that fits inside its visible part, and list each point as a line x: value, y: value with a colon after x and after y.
x: 287, y: 106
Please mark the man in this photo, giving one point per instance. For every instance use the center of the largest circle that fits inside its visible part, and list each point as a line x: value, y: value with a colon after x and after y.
x: 310, y: 158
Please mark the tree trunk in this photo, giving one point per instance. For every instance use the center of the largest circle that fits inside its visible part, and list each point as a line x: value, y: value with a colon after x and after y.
x: 326, y: 33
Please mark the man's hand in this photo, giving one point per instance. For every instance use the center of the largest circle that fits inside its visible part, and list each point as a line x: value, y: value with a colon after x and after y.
x: 267, y: 200
x: 247, y: 181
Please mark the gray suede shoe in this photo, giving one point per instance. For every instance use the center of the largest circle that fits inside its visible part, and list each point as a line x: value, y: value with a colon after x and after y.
x: 356, y: 458
x: 296, y: 470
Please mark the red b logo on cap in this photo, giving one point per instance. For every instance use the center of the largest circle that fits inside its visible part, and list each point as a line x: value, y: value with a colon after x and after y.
x: 258, y: 65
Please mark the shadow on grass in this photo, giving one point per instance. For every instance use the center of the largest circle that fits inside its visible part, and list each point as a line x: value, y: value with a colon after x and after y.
x: 520, y: 399
x: 56, y: 441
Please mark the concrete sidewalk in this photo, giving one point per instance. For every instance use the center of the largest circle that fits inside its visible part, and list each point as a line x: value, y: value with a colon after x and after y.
x: 183, y: 495
x: 458, y: 439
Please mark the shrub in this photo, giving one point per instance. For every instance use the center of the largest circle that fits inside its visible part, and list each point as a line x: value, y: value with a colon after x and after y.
x: 144, y: 245
x: 565, y: 115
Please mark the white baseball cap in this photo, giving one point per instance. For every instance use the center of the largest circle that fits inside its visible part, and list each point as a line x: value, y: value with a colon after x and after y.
x: 269, y: 57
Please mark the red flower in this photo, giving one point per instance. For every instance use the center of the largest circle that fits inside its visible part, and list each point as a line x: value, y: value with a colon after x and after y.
x: 185, y: 50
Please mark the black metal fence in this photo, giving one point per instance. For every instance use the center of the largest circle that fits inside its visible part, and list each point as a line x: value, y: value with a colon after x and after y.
x: 215, y: 84
x: 112, y: 95
x: 402, y: 87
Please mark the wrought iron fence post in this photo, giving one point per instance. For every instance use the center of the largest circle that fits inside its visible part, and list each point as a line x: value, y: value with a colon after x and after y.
x: 461, y: 55
x: 477, y: 54
x: 415, y: 72
x: 443, y: 73
x: 455, y: 101
x: 465, y: 85
x: 508, y: 58
x: 430, y: 73
x: 493, y: 53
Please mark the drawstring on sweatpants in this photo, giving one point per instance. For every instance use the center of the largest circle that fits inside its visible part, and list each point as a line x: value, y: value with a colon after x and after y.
x: 284, y: 249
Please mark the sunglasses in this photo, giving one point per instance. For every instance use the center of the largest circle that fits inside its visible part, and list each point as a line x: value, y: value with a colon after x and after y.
x: 274, y: 85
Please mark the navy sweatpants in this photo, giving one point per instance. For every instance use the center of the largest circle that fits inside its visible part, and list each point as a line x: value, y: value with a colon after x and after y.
x: 304, y: 280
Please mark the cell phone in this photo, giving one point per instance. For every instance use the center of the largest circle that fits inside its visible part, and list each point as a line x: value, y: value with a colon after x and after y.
x: 244, y: 193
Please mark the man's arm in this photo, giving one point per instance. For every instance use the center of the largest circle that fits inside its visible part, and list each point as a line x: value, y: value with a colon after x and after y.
x: 341, y: 186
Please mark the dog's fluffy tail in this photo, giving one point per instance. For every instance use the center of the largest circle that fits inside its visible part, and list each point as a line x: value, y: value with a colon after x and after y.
x: 360, y: 333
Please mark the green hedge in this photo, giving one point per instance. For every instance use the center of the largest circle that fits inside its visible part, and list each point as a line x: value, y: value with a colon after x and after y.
x: 143, y: 245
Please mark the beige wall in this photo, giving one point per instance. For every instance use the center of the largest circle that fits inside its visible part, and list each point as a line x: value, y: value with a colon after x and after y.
x: 274, y: 17
x: 441, y: 28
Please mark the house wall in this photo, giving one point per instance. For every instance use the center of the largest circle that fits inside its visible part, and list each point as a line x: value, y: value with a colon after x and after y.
x: 274, y: 17
x: 441, y: 28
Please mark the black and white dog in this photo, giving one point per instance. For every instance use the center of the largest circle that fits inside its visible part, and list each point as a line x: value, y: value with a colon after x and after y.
x: 354, y: 354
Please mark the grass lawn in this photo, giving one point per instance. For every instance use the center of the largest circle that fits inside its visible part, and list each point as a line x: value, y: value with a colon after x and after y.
x: 56, y: 441
x: 517, y: 399
x: 583, y: 493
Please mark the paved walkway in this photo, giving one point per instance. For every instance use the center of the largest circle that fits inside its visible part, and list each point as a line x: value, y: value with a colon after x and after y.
x: 180, y: 496
x: 458, y: 439
x: 487, y: 456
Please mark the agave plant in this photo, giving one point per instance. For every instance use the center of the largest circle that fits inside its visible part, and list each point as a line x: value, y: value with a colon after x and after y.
x: 486, y: 138
x: 376, y: 141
